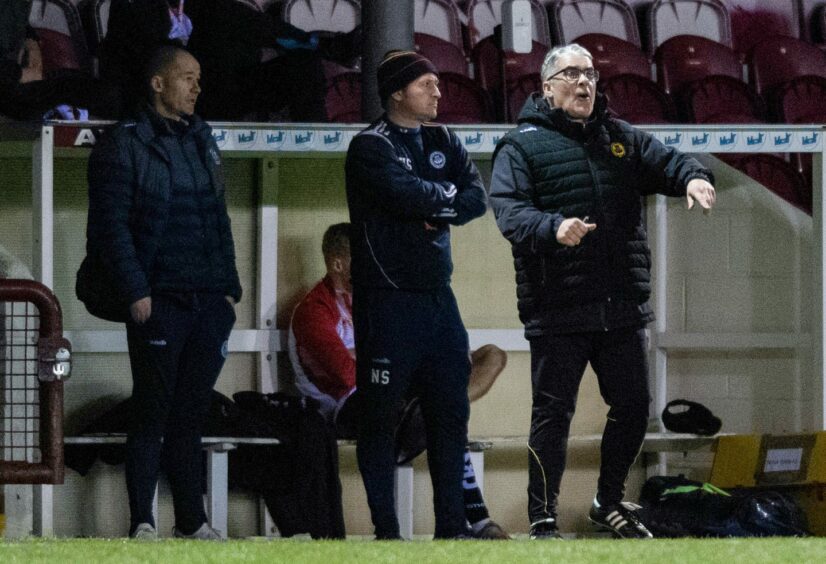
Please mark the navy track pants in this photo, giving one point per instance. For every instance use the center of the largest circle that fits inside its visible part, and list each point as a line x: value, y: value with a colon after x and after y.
x: 176, y: 357
x: 416, y: 339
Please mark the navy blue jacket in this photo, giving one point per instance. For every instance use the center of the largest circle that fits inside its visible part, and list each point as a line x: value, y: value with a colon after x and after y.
x: 130, y: 182
x: 402, y: 200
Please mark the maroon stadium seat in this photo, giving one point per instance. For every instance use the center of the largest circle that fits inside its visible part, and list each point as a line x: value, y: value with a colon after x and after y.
x: 61, y: 36
x: 613, y: 56
x: 487, y: 63
x: 625, y: 71
x: 750, y: 26
x: 778, y: 176
x: 686, y: 58
x: 518, y: 92
x: 720, y: 99
x: 344, y: 98
x: 781, y: 59
x: 448, y: 57
x: 58, y: 51
x: 637, y: 100
x: 517, y: 65
x: 490, y: 63
x: 801, y: 100
x: 463, y: 101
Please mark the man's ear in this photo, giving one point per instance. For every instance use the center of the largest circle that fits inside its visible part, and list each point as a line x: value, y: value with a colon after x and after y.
x: 156, y: 82
x: 336, y: 265
x: 546, y: 89
x: 398, y: 95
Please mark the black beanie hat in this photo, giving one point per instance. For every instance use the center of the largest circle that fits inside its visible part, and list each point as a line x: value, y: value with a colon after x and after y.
x: 400, y: 68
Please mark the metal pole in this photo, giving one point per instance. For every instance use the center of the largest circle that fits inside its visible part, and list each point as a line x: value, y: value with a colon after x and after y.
x: 43, y: 206
x: 819, y: 288
x: 387, y: 24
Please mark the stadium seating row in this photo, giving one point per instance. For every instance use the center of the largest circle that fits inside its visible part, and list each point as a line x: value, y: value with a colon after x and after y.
x: 690, y: 69
x: 690, y: 44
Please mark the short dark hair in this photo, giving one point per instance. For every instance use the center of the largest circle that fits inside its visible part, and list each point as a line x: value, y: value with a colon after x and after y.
x: 161, y: 59
x: 336, y: 241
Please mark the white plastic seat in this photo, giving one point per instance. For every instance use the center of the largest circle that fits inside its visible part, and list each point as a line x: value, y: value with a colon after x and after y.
x: 323, y: 15
x: 573, y: 18
x: 438, y: 18
x: 703, y: 18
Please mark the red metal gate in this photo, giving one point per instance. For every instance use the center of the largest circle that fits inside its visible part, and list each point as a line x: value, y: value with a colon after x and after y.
x: 34, y: 361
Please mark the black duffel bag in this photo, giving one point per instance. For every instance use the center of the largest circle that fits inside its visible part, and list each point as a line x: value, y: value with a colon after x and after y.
x: 673, y: 506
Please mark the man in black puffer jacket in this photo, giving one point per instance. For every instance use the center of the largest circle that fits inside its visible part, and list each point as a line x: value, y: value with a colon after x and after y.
x: 158, y: 225
x: 566, y: 191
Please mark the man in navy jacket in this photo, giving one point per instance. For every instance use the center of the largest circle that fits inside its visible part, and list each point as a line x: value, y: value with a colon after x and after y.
x: 158, y: 225
x: 407, y: 181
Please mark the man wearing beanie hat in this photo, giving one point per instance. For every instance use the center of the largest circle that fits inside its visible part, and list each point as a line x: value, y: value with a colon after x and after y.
x: 407, y: 181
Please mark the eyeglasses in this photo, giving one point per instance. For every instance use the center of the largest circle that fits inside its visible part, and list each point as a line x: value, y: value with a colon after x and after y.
x: 572, y: 74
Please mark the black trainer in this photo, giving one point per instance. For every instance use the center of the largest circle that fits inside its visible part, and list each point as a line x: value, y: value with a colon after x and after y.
x: 545, y: 529
x: 620, y: 519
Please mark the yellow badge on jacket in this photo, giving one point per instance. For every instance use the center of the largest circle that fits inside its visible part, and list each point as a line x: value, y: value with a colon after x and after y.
x: 618, y: 150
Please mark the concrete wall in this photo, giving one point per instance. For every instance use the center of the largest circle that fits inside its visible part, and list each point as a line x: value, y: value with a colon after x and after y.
x: 745, y: 269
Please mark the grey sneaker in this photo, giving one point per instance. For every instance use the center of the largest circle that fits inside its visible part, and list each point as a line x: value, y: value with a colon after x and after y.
x: 204, y: 532
x: 144, y: 531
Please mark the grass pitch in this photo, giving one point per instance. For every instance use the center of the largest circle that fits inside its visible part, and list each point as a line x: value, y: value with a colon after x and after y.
x: 662, y: 551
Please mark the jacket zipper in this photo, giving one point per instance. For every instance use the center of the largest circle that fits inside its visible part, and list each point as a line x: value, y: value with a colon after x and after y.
x: 604, y: 240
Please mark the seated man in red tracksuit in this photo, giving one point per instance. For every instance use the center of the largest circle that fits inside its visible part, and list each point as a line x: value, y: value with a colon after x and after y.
x: 322, y: 352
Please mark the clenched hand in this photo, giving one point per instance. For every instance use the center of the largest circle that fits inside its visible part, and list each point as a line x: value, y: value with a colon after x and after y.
x: 572, y: 230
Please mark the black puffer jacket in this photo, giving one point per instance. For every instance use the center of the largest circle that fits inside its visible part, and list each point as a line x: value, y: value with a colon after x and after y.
x: 131, y: 175
x: 550, y: 168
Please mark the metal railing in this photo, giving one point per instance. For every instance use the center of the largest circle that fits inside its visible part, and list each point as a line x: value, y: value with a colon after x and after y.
x: 34, y: 361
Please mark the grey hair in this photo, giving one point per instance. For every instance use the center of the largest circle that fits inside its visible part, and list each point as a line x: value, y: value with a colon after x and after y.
x: 549, y: 64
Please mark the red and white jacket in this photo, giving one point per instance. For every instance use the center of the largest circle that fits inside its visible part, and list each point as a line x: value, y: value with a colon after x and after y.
x: 322, y: 346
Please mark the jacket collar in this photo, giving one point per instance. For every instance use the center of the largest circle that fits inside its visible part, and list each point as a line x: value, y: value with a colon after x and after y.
x: 150, y: 125
x: 537, y: 111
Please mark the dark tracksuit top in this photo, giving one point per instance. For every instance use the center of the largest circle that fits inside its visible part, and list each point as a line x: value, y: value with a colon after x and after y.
x: 395, y: 190
x: 404, y: 190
